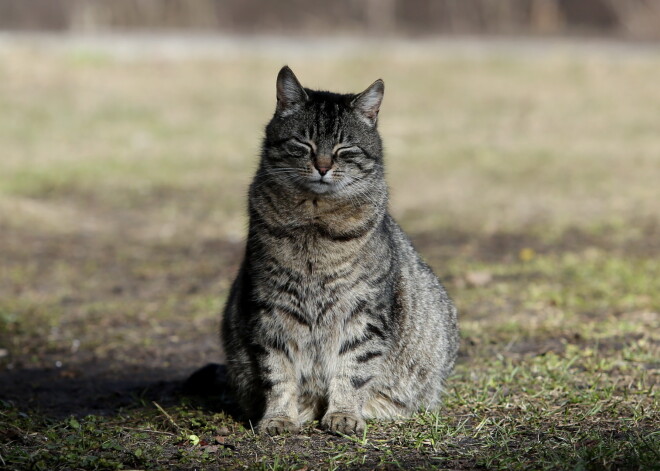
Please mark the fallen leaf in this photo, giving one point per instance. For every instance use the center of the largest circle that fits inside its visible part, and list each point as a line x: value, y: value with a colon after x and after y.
x: 526, y: 254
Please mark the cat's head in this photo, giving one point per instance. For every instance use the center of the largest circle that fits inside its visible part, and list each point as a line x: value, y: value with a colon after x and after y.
x: 324, y: 143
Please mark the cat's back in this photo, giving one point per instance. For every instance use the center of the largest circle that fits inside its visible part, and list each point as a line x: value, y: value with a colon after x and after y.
x: 426, y: 301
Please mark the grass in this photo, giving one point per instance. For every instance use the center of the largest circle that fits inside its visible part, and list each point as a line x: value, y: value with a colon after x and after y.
x: 528, y: 181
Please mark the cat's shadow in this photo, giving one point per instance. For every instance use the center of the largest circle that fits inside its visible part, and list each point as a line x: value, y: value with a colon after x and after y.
x: 209, y: 388
x: 50, y: 393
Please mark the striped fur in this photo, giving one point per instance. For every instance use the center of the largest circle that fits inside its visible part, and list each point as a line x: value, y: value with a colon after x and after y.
x: 333, y: 315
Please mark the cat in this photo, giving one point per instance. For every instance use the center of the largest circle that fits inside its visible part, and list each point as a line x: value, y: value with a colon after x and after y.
x: 333, y: 315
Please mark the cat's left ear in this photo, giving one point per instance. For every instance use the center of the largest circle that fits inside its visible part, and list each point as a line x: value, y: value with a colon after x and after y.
x: 367, y: 103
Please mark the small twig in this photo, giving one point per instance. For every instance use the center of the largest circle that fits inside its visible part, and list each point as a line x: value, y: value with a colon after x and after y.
x: 169, y: 417
x: 3, y: 461
x: 150, y: 431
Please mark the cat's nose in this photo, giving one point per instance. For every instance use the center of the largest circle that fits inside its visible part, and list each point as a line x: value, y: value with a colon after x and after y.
x: 323, y: 163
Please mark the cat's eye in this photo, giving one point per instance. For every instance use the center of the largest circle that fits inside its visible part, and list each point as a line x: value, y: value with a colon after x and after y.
x: 347, y: 150
x: 297, y: 148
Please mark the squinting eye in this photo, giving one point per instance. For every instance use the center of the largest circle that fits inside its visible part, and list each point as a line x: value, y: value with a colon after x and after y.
x: 347, y: 150
x: 297, y: 148
x: 297, y: 151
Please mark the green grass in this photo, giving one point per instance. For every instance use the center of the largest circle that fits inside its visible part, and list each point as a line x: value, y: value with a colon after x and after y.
x: 529, y: 183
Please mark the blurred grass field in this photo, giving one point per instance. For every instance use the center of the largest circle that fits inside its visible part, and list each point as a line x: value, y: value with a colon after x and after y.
x: 528, y: 179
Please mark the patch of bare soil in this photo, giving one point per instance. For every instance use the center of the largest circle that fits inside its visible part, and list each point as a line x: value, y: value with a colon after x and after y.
x: 91, y: 324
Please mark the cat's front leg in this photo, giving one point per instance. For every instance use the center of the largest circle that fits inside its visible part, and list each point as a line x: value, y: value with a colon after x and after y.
x: 346, y: 397
x: 354, y: 373
x: 355, y: 368
x: 281, y: 393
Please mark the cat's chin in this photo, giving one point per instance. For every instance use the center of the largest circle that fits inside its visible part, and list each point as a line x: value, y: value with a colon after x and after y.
x: 321, y: 188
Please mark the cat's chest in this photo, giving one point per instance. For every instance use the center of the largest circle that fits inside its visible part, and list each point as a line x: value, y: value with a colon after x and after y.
x: 320, y: 298
x: 321, y: 222
x: 312, y: 259
x: 312, y: 290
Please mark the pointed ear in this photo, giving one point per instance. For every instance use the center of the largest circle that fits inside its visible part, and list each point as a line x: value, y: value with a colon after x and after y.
x: 368, y: 102
x: 290, y: 93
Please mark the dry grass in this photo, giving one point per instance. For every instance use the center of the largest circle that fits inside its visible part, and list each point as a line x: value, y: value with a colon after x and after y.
x: 499, y: 141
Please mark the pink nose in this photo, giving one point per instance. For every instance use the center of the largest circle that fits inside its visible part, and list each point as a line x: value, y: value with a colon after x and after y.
x: 323, y: 170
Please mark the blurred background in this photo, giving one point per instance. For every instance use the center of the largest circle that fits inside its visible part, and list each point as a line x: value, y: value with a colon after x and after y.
x: 522, y: 145
x: 638, y: 19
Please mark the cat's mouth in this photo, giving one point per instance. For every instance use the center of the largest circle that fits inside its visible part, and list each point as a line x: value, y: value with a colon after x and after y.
x: 321, y: 185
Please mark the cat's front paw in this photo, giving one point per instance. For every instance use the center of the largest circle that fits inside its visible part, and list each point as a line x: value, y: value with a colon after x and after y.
x: 278, y: 425
x: 342, y: 422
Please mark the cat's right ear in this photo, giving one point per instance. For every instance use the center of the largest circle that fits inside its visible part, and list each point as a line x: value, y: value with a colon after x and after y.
x: 368, y: 102
x: 290, y: 94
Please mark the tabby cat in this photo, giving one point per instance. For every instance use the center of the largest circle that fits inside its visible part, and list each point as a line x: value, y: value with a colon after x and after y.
x: 333, y: 315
